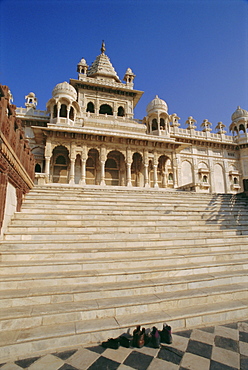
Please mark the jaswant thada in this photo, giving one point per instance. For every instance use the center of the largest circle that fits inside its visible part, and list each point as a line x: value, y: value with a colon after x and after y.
x: 88, y: 135
x: 124, y: 222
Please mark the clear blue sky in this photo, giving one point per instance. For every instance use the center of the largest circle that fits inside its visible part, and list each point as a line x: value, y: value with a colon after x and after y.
x: 192, y: 53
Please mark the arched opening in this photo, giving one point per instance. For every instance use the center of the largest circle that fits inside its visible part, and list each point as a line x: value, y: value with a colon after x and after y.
x: 91, y: 167
x: 235, y: 181
x: 63, y: 111
x: 154, y: 124
x: 90, y: 107
x: 55, y: 111
x: 60, y: 160
x: 164, y: 165
x: 106, y: 109
x: 242, y: 128
x: 162, y: 124
x: 136, y: 170
x: 111, y: 172
x: 205, y: 179
x: 219, y: 180
x: 121, y: 112
x: 71, y: 114
x: 37, y: 168
x: 115, y: 169
x: 187, y: 173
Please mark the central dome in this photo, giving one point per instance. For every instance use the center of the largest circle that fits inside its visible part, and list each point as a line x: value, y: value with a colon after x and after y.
x: 157, y: 104
x: 64, y: 89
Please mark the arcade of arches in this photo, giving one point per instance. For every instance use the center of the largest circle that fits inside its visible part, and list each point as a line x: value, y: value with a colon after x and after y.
x: 102, y: 167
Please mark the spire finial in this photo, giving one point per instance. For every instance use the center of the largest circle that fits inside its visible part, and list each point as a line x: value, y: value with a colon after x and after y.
x: 103, y: 47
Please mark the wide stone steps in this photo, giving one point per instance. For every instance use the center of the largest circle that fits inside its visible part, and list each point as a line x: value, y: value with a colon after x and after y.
x: 54, y: 264
x: 47, y: 313
x: 118, y: 234
x: 66, y: 254
x: 79, y: 265
x: 37, y: 340
x: 34, y: 278
x: 235, y: 240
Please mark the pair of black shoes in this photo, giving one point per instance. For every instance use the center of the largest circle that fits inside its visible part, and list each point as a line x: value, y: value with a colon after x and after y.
x: 115, y: 343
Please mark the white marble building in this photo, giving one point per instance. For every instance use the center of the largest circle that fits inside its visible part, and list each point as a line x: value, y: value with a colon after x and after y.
x: 88, y: 136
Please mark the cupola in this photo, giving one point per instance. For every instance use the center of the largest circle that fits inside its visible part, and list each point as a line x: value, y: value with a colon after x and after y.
x: 66, y: 90
x: 129, y: 77
x: 31, y: 100
x: 157, y: 105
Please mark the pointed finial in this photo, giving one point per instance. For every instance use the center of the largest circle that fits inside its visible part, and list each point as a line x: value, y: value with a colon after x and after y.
x: 103, y: 47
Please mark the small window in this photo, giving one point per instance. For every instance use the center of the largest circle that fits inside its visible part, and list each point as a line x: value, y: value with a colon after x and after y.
x: 38, y: 168
x: 90, y: 107
x: 162, y: 124
x: 106, y: 109
x: 205, y: 178
x: 154, y: 124
x: 71, y: 114
x: 170, y: 177
x: 63, y: 111
x: 235, y: 180
x: 121, y: 112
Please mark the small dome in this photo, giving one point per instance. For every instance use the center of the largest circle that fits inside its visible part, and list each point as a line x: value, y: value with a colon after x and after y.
x: 157, y: 104
x: 82, y: 62
x: 239, y: 113
x: 65, y: 89
x: 129, y: 72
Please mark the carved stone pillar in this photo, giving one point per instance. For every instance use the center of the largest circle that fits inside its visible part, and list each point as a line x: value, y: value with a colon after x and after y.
x: 129, y: 177
x: 176, y: 170
x: 83, y: 172
x: 103, y: 158
x: 72, y: 172
x: 146, y: 176
x: 155, y: 175
x: 102, y: 173
x: 47, y: 168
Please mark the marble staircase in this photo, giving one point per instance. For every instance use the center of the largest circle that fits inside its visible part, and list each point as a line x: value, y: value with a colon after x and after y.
x: 80, y: 265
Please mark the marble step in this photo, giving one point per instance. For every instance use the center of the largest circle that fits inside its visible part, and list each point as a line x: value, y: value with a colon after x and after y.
x: 131, y: 242
x: 110, y: 216
x: 33, y: 278
x: 10, y: 253
x: 122, y: 199
x: 128, y: 227
x: 58, y: 337
x: 19, y: 318
x: 119, y: 235
x: 80, y: 263
x: 152, y: 246
x: 72, y: 293
x: 106, y: 223
x: 84, y: 205
x: 131, y: 192
x: 134, y: 203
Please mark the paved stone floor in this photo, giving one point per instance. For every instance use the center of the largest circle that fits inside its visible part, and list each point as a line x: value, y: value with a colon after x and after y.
x: 223, y: 347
